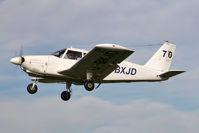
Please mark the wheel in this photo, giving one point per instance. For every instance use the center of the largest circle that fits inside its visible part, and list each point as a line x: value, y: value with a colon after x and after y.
x: 32, y: 90
x: 89, y: 85
x: 65, y: 95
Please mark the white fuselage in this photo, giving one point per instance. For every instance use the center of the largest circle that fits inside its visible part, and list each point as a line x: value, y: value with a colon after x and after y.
x: 47, y: 67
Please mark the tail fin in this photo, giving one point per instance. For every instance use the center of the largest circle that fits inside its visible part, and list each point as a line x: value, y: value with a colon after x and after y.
x: 162, y: 59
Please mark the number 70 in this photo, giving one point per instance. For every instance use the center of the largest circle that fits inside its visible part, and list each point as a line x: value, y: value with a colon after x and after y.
x: 168, y: 53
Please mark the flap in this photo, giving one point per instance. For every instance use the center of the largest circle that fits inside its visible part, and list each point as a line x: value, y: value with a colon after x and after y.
x: 100, y: 61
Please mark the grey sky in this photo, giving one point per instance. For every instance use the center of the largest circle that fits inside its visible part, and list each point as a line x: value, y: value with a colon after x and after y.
x: 43, y: 26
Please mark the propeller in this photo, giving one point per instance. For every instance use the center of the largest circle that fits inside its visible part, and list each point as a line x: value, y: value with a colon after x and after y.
x: 21, y: 51
x: 18, y: 59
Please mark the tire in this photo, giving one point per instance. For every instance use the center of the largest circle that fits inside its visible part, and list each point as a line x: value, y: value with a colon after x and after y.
x: 32, y: 90
x: 89, y: 85
x: 65, y: 95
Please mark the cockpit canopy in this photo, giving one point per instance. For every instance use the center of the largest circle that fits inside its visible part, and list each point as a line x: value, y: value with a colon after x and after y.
x: 69, y: 53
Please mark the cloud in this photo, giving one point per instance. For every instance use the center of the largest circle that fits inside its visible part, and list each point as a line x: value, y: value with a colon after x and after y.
x: 49, y: 25
x: 91, y: 114
x: 59, y: 23
x: 97, y: 21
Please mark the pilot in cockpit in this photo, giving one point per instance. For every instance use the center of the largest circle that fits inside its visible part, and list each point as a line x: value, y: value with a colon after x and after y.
x: 75, y: 55
x: 69, y: 56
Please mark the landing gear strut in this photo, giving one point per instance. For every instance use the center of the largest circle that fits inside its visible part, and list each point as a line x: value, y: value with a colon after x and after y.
x: 32, y: 88
x: 65, y: 95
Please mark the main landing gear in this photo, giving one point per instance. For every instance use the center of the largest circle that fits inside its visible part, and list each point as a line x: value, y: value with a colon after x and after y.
x: 89, y: 85
x: 65, y: 95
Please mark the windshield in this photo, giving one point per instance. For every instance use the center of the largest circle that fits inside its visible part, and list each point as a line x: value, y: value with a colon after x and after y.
x: 59, y: 53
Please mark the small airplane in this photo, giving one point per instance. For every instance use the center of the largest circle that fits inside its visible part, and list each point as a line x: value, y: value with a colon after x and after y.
x: 105, y: 63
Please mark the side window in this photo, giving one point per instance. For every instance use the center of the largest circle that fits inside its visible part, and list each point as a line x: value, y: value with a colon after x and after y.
x: 73, y: 55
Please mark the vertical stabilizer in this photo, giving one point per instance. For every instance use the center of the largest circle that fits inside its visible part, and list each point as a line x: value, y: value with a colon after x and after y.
x: 162, y: 59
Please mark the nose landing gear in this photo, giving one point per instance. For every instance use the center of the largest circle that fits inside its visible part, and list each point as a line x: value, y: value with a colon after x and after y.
x: 32, y: 88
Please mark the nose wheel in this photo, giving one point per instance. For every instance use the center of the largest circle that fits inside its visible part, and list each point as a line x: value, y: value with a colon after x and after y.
x: 32, y: 89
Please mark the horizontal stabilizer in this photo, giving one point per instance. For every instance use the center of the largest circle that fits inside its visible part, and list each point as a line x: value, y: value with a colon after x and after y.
x: 170, y: 73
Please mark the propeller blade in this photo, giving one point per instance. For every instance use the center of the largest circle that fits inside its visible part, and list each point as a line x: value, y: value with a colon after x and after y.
x: 21, y: 50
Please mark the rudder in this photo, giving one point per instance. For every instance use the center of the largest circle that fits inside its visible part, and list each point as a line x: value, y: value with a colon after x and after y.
x: 162, y: 59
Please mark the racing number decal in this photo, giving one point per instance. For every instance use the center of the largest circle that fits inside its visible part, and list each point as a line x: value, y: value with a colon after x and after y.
x: 167, y: 53
x: 170, y: 54
x: 164, y: 52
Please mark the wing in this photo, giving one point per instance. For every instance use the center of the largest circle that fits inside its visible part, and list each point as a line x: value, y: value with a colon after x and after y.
x: 100, y: 61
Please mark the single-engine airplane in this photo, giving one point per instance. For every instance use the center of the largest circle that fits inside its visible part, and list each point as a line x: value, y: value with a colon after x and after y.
x: 105, y: 63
